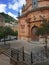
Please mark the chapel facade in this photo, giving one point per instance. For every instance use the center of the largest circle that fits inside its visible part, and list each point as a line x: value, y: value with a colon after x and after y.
x: 32, y: 15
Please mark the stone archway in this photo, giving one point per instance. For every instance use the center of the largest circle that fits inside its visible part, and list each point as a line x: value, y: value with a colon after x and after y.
x: 34, y: 37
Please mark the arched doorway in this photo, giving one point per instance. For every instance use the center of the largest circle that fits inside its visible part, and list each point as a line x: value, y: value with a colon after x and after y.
x: 34, y: 37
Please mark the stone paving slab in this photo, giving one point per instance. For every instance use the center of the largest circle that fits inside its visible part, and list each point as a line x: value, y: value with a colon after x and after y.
x: 4, y: 60
x: 28, y: 46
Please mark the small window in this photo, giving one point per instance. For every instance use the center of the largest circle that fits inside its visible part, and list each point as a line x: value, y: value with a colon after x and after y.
x: 35, y: 3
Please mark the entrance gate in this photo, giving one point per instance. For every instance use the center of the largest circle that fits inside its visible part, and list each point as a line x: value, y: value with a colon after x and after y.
x: 34, y: 37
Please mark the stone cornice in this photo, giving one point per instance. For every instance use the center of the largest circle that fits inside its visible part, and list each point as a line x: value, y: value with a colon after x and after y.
x: 36, y: 21
x: 31, y: 4
x: 34, y: 10
x: 42, y: 0
x: 26, y: 8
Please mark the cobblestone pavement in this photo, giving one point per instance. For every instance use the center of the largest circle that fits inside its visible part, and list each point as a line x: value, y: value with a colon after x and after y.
x: 4, y: 60
x: 28, y: 46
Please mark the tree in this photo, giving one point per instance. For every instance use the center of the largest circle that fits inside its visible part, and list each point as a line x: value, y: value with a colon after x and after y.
x: 1, y: 32
x: 5, y: 31
x: 8, y: 18
x: 44, y: 31
x: 8, y: 31
x: 15, y: 33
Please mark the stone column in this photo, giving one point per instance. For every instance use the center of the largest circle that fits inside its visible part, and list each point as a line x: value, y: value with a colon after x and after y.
x: 28, y: 23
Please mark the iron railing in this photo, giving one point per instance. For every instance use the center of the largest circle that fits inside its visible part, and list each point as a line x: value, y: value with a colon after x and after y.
x: 20, y: 54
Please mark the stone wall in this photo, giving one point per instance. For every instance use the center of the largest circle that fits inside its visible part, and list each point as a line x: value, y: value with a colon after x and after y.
x: 32, y: 17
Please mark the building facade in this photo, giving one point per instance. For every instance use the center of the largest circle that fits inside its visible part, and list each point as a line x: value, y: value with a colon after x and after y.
x: 32, y: 15
x: 2, y: 21
x: 12, y: 25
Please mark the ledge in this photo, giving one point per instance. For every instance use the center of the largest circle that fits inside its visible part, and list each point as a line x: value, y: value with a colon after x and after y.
x: 34, y: 10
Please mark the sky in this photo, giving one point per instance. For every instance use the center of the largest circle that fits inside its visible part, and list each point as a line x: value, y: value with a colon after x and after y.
x: 11, y: 7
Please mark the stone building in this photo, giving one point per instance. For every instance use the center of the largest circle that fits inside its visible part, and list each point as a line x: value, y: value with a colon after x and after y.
x: 12, y: 25
x: 2, y: 21
x: 32, y: 15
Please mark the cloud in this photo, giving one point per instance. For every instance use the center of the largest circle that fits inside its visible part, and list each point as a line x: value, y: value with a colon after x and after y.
x: 11, y: 14
x: 22, y: 2
x: 11, y: 6
x: 3, y: 7
x: 16, y: 4
x: 20, y: 12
